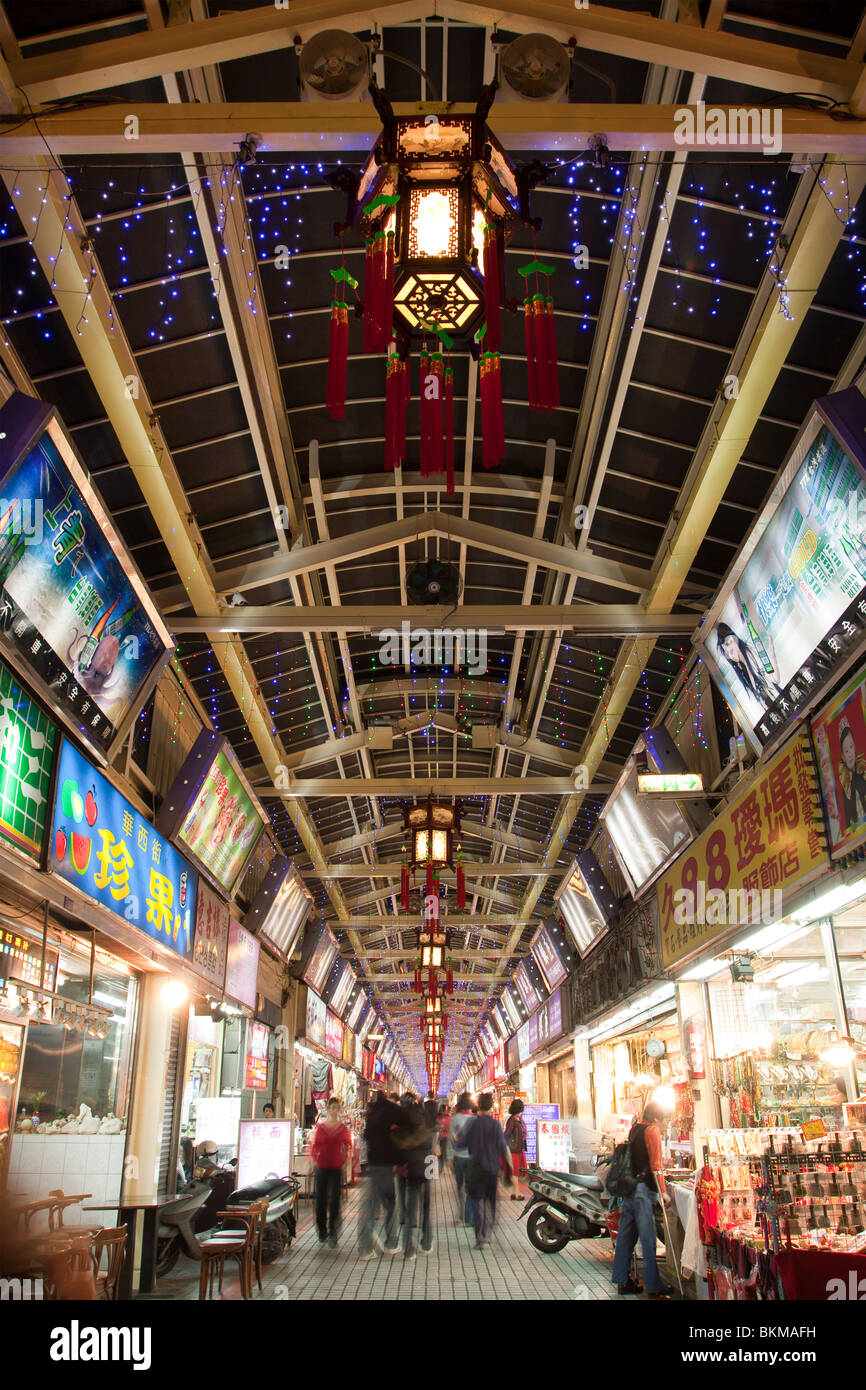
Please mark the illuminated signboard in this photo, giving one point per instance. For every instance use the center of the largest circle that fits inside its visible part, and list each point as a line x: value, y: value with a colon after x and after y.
x: 27, y: 739
x: 281, y: 907
x: 211, y: 811
x: 512, y: 1008
x: 529, y: 991
x: 75, y: 615
x: 670, y: 784
x: 839, y: 732
x: 21, y: 959
x: 316, y: 1019
x: 793, y: 604
x: 320, y: 960
x: 211, y: 936
x: 102, y: 845
x: 646, y: 834
x: 333, y: 1034
x: 264, y: 1149
x: 586, y: 902
x: 242, y: 965
x: 550, y: 953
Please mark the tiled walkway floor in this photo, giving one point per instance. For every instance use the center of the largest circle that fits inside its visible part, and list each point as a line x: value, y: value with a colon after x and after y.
x: 508, y: 1268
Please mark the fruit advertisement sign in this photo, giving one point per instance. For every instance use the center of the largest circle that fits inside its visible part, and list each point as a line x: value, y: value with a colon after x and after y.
x: 75, y: 614
x: 102, y: 845
x: 27, y: 739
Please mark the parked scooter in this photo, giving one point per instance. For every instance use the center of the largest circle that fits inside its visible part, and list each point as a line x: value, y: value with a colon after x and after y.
x: 563, y: 1207
x: 194, y: 1212
x: 282, y: 1223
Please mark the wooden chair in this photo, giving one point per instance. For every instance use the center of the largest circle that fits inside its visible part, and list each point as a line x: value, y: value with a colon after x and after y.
x: 59, y: 1206
x: 260, y: 1208
x: 235, y: 1245
x: 112, y: 1241
x: 68, y: 1269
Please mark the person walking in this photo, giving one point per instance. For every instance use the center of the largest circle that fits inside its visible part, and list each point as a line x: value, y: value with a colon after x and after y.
x: 637, y: 1215
x: 485, y: 1141
x: 460, y: 1156
x: 330, y: 1144
x: 515, y: 1138
x: 443, y: 1121
x: 383, y: 1119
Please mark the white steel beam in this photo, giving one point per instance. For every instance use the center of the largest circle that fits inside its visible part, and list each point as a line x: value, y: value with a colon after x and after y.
x: 590, y: 619
x: 119, y: 61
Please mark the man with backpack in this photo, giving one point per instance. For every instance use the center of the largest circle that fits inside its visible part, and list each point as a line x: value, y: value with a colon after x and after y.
x: 635, y: 1177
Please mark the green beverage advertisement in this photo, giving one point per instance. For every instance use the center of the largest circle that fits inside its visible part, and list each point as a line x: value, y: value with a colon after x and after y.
x: 27, y: 738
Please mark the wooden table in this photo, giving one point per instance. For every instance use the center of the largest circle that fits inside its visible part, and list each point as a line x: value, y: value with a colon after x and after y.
x: 128, y: 1210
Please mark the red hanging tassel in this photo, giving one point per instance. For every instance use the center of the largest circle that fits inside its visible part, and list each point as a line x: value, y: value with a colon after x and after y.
x: 369, y: 295
x: 449, y: 981
x: 461, y: 885
x: 449, y: 432
x: 431, y: 977
x: 531, y: 367
x: 550, y: 345
x: 393, y: 411
x: 338, y: 356
x: 404, y: 885
x: 492, y: 431
x: 424, y: 405
x: 406, y: 379
x: 418, y: 981
x: 493, y: 339
x: 387, y: 305
x: 434, y: 417
x: 429, y: 877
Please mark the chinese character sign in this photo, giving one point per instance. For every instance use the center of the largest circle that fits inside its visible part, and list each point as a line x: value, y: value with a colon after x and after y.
x: 242, y: 965
x: 553, y: 1145
x: 69, y: 605
x: 102, y: 845
x: 765, y: 844
x: 256, y: 1071
x: 211, y: 936
x: 533, y: 1117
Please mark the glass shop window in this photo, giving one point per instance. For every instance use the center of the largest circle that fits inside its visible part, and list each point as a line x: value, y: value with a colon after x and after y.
x: 79, y: 1050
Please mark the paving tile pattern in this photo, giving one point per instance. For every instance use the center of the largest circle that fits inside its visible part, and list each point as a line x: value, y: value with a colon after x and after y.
x: 509, y: 1268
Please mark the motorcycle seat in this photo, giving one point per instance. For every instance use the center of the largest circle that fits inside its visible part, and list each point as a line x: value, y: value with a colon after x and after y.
x: 266, y: 1188
x: 585, y: 1180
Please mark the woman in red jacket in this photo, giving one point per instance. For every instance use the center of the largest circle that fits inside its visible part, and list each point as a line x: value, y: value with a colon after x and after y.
x: 328, y: 1150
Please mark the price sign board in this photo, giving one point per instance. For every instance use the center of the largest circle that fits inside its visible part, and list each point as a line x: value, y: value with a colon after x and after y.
x: 534, y: 1115
x: 264, y: 1150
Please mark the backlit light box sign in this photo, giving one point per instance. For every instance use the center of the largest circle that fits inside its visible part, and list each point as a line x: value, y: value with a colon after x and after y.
x: 585, y: 900
x: 339, y: 986
x: 677, y: 784
x: 212, y: 812
x: 281, y: 907
x: 794, y: 603
x: 256, y: 1071
x: 264, y: 1150
x: 527, y: 987
x: 76, y: 618
x: 839, y: 732
x: 242, y: 965
x: 320, y: 954
x: 646, y: 834
x: 550, y: 953
x: 27, y: 738
x: 512, y: 1010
